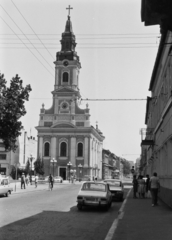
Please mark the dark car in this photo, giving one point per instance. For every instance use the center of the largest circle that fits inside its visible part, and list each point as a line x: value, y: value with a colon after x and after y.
x: 116, y: 188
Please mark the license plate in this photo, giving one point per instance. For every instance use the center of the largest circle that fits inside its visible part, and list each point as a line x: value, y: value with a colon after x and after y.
x: 91, y: 199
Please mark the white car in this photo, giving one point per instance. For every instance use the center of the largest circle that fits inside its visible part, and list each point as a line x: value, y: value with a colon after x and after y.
x: 94, y: 194
x: 58, y: 179
x: 5, y: 188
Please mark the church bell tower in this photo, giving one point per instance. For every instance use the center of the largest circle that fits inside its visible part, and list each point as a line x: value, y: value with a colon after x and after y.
x: 64, y: 130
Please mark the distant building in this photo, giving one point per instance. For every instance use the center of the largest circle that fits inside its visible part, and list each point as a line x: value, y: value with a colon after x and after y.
x: 137, y: 166
x: 7, y: 159
x: 108, y: 164
x: 27, y: 149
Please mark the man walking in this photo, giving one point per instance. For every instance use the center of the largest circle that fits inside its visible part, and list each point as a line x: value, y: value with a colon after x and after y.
x: 135, y: 186
x: 23, y: 181
x: 50, y: 180
x: 36, y: 181
x: 155, y: 188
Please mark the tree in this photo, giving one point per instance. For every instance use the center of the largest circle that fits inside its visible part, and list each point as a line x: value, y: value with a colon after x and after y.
x: 27, y: 167
x: 12, y: 108
x: 39, y: 166
x: 126, y: 167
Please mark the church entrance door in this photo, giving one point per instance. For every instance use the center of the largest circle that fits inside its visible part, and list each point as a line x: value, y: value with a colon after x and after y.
x: 62, y: 173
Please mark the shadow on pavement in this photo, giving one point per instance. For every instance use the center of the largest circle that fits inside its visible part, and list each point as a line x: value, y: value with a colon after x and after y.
x: 90, y: 223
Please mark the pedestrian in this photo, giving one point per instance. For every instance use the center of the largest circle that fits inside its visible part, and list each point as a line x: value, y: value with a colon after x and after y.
x: 23, y: 181
x: 36, y: 181
x: 27, y: 180
x: 155, y: 188
x: 30, y: 179
x: 72, y: 179
x: 135, y: 186
x: 51, y: 181
x: 141, y: 187
x: 147, y: 186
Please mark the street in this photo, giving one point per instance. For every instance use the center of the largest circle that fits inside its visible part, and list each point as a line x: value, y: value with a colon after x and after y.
x: 53, y: 215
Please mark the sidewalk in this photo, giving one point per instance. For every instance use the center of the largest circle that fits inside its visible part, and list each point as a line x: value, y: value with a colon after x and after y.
x: 141, y: 221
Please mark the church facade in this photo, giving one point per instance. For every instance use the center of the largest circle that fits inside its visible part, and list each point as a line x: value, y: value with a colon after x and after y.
x: 67, y: 143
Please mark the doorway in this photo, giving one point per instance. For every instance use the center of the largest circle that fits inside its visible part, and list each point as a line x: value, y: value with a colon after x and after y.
x: 62, y: 173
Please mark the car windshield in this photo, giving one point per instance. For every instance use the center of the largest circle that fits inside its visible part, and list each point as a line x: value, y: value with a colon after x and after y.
x: 114, y: 183
x: 94, y: 187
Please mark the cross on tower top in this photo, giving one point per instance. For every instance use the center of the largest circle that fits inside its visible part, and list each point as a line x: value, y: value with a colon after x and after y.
x: 69, y: 8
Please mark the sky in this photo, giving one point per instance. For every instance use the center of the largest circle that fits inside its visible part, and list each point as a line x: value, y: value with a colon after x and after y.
x: 117, y: 54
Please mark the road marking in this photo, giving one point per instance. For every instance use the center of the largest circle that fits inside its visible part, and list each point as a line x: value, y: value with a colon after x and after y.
x: 113, y: 228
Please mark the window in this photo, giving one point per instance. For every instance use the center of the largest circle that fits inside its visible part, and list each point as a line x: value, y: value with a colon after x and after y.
x: 2, y: 156
x: 63, y: 149
x: 65, y: 77
x: 80, y: 150
x: 46, y: 149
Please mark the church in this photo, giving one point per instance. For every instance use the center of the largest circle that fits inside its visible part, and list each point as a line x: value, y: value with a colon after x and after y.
x: 67, y: 143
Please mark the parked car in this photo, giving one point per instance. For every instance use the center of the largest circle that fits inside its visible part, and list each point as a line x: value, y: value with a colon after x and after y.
x: 94, y: 194
x: 116, y: 188
x: 58, y: 179
x: 5, y: 188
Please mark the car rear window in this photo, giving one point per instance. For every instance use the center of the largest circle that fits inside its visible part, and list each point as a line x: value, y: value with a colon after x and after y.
x: 4, y: 182
x: 94, y: 187
x: 114, y: 183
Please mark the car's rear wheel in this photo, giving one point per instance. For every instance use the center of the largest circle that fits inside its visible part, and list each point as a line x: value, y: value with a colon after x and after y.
x: 107, y: 207
x: 7, y: 194
x: 79, y: 206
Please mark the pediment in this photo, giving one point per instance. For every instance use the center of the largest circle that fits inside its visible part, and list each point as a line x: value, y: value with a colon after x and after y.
x: 65, y: 90
x: 63, y: 125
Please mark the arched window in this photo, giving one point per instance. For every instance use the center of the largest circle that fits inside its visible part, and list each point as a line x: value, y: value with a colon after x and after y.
x: 65, y: 77
x: 46, y: 149
x: 80, y: 150
x: 63, y: 149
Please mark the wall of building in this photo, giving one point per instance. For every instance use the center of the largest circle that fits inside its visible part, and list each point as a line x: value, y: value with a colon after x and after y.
x: 159, y: 155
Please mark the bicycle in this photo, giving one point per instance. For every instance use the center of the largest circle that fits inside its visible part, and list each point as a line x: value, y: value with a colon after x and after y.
x: 51, y: 185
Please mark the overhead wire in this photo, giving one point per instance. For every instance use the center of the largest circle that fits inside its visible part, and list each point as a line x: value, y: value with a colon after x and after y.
x: 27, y: 38
x: 28, y: 48
x: 32, y: 28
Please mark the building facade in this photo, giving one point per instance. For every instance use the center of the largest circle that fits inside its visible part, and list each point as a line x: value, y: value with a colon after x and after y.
x: 64, y: 131
x: 8, y: 159
x: 109, y: 164
x: 157, y: 145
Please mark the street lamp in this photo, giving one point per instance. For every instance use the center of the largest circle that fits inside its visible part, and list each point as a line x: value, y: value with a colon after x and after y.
x: 69, y: 166
x: 80, y: 170
x: 31, y: 159
x: 53, y: 162
x: 16, y: 166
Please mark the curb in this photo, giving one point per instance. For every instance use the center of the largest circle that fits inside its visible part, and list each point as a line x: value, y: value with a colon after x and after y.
x: 113, y: 228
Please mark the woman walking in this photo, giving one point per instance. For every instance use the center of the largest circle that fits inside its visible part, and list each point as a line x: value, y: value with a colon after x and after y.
x: 141, y: 187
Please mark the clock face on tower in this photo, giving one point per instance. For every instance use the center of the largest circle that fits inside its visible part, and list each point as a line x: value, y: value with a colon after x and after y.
x: 65, y: 63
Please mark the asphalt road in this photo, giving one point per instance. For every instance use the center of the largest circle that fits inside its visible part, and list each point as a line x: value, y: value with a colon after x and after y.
x: 53, y: 215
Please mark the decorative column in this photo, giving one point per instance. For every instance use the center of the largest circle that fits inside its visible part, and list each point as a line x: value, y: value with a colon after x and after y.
x: 53, y: 147
x: 40, y: 153
x: 73, y: 150
x: 56, y: 77
x: 86, y: 151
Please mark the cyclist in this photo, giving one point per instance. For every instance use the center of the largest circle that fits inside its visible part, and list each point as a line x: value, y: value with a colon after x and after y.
x: 51, y: 180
